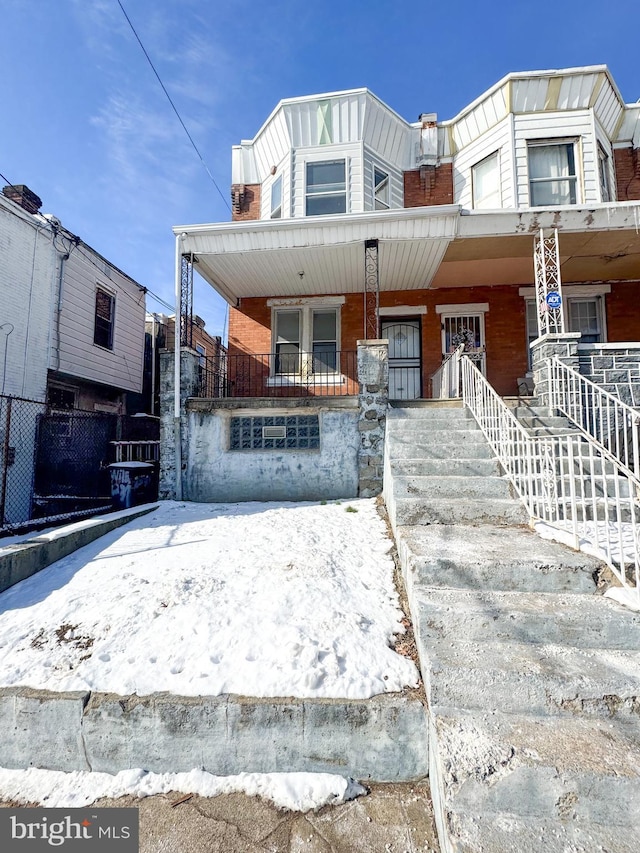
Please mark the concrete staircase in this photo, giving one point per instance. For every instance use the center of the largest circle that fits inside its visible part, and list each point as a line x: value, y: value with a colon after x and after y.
x: 532, y: 679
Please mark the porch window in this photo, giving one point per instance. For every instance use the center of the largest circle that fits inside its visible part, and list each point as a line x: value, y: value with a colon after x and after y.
x: 326, y: 188
x: 552, y: 174
x: 324, y: 345
x: 380, y: 189
x: 485, y: 181
x: 104, y: 319
x: 305, y: 340
x: 287, y: 342
x: 584, y: 317
x: 276, y: 198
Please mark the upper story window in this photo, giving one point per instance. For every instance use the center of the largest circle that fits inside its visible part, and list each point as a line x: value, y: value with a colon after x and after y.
x: 553, y: 177
x: 381, y: 191
x: 603, y: 174
x: 485, y: 183
x: 276, y: 198
x: 326, y: 188
x: 104, y: 318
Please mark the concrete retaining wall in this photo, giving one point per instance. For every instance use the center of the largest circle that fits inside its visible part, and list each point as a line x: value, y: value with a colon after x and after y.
x: 24, y: 559
x: 379, y: 739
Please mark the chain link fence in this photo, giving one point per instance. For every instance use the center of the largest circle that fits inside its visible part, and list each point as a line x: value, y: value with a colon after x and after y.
x: 54, y: 464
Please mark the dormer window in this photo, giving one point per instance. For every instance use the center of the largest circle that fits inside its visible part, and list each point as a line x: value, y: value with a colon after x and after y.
x: 326, y: 188
x: 380, y: 189
x: 485, y: 181
x: 276, y: 198
x: 553, y: 178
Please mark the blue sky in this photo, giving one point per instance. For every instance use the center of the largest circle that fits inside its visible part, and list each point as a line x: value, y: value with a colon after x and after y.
x: 87, y: 127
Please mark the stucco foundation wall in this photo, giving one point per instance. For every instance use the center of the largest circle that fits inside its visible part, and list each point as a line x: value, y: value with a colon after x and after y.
x: 214, y: 473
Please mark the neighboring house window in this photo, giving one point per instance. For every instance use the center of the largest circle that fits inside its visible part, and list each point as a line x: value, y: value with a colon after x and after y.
x: 203, y: 353
x: 585, y: 317
x: 552, y: 174
x: 603, y: 174
x: 299, y: 334
x: 485, y: 180
x: 59, y: 397
x: 532, y: 328
x: 326, y: 188
x: 380, y: 189
x: 104, y: 319
x: 276, y: 198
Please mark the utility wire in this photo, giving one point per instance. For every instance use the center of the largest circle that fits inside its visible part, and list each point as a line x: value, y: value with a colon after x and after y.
x: 184, y: 127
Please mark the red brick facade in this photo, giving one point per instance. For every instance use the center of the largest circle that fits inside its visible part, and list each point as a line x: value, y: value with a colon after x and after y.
x: 245, y: 202
x: 429, y: 185
x: 627, y: 163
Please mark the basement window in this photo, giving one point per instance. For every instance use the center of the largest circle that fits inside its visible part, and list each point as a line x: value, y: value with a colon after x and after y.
x: 275, y: 432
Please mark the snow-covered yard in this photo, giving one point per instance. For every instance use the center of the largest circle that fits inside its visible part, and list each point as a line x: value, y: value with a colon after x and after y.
x: 277, y: 599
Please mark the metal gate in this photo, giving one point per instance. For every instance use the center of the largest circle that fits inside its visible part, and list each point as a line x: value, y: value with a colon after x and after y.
x: 405, y: 372
x: 467, y: 329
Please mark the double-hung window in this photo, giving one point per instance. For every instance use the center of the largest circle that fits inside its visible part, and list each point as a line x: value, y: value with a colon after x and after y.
x: 553, y: 177
x: 485, y: 183
x: 585, y: 317
x: 380, y: 189
x: 603, y: 174
x: 305, y: 340
x: 104, y: 318
x: 326, y: 187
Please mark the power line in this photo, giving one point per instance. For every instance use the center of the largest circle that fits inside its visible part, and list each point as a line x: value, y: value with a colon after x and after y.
x: 184, y: 127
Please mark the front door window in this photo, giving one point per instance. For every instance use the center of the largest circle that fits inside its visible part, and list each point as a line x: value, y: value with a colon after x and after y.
x: 466, y: 329
x: 404, y: 358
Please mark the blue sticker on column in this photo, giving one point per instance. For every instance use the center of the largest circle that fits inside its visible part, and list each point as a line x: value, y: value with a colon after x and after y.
x: 554, y: 300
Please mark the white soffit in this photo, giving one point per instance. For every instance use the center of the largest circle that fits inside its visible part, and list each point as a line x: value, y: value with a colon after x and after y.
x: 266, y: 258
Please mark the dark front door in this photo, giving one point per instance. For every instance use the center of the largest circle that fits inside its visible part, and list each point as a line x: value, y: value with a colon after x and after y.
x: 405, y: 371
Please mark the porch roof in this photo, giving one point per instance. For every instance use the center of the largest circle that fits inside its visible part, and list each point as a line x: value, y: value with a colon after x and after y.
x: 440, y: 246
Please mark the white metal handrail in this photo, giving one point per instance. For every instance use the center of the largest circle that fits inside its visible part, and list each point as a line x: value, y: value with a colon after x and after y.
x: 568, y: 482
x: 445, y: 382
x: 613, y: 424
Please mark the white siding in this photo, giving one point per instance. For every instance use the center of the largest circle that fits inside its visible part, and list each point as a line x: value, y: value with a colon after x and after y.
x: 79, y: 356
x: 271, y: 145
x: 497, y: 139
x: 558, y: 125
x: 396, y: 180
x: 483, y: 117
x: 27, y: 286
x: 603, y: 140
x: 608, y: 109
x: 576, y: 90
x: 387, y: 135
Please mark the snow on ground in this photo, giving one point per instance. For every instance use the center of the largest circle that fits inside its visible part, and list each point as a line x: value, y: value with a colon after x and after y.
x: 258, y: 599
x: 294, y: 791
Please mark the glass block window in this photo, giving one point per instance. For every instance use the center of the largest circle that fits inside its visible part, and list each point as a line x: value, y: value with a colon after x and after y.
x: 275, y: 432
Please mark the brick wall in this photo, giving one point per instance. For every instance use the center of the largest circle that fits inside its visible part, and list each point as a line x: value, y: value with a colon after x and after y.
x: 623, y: 318
x: 245, y: 202
x: 429, y: 186
x: 627, y: 163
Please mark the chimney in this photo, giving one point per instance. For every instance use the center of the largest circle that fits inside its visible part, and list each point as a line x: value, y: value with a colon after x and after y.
x: 23, y: 196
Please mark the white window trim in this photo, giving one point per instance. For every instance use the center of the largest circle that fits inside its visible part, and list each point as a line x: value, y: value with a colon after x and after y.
x: 459, y: 308
x: 403, y: 311
x: 279, y: 210
x: 111, y: 291
x: 576, y: 141
x: 323, y: 156
x: 578, y: 291
x: 386, y: 182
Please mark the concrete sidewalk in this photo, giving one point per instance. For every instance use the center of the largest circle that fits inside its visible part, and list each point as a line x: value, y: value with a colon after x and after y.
x: 392, y: 818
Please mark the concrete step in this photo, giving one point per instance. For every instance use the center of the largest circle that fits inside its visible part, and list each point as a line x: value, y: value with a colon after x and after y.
x: 433, y: 486
x: 538, y: 783
x: 444, y: 446
x: 456, y: 467
x: 418, y: 511
x: 525, y: 678
x: 491, y: 558
x: 436, y: 428
x: 573, y: 620
x: 427, y: 409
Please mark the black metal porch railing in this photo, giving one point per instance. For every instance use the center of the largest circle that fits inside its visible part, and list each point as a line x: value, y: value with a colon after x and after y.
x: 283, y: 374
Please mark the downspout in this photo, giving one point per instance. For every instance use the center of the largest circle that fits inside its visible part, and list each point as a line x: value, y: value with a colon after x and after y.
x: 176, y: 368
x: 63, y: 258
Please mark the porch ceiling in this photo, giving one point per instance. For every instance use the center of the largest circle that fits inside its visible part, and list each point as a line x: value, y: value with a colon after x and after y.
x: 418, y: 248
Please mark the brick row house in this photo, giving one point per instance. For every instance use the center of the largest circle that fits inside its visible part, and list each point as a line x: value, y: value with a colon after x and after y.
x: 351, y: 223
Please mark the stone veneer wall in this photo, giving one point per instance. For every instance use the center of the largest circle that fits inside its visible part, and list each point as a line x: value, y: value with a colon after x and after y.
x: 542, y: 349
x: 614, y: 367
x: 373, y: 376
